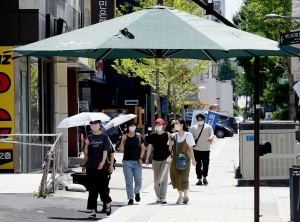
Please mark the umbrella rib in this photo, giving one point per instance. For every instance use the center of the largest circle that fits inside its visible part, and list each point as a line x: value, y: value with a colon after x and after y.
x: 209, y: 56
x: 107, y: 52
x: 165, y: 52
x: 150, y: 50
x: 173, y: 53
x: 293, y: 54
x: 142, y: 52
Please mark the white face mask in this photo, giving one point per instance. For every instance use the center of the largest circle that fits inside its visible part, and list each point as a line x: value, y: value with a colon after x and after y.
x: 95, y: 127
x: 158, y: 128
x: 200, y: 122
x: 177, y: 126
x: 132, y: 128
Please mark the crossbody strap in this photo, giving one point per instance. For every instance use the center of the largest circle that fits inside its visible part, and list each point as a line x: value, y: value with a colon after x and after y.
x: 176, y: 145
x: 200, y: 132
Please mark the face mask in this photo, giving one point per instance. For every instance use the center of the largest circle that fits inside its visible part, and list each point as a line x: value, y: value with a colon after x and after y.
x: 95, y: 127
x: 132, y: 128
x: 158, y: 128
x: 200, y: 122
x: 177, y: 126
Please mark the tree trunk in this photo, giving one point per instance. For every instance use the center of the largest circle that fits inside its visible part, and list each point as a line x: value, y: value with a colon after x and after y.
x: 174, y: 106
x: 167, y: 103
x: 158, y: 106
x: 291, y: 103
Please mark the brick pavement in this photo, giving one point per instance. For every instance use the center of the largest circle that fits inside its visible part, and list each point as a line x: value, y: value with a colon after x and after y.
x: 220, y: 200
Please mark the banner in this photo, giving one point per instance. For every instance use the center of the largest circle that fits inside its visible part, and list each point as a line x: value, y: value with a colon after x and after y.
x: 102, y: 10
x: 6, y: 106
x: 212, y: 119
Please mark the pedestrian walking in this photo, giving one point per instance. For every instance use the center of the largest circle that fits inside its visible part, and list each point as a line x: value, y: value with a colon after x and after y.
x: 170, y: 126
x: 158, y: 141
x: 183, y: 142
x: 132, y: 144
x: 96, y: 167
x: 203, y: 135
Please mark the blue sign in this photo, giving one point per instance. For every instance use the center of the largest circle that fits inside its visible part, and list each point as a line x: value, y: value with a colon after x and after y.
x: 212, y: 119
x: 250, y: 138
x: 163, y: 105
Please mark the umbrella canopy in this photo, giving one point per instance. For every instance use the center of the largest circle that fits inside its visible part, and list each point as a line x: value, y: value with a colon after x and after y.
x: 82, y: 119
x: 119, y: 121
x: 157, y: 32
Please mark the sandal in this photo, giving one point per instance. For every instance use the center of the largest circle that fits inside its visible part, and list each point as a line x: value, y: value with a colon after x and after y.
x: 205, y: 181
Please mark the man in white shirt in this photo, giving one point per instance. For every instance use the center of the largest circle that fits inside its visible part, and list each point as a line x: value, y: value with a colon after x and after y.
x: 202, y: 147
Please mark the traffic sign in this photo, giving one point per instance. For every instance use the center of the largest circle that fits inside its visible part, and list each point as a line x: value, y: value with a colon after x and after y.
x: 289, y: 38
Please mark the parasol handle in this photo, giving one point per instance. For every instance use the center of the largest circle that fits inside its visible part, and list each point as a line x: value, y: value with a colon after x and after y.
x: 121, y: 130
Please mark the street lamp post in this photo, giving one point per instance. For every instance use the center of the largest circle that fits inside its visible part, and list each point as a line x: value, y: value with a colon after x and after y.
x: 218, y: 104
x: 291, y: 106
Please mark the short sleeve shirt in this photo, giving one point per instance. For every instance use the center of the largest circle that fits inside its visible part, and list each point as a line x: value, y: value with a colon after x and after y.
x: 202, y: 144
x: 97, y: 144
x: 160, y: 146
x: 186, y: 136
x: 132, y: 147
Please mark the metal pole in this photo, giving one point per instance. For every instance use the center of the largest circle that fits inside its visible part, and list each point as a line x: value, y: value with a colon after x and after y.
x: 160, y: 2
x: 256, y: 137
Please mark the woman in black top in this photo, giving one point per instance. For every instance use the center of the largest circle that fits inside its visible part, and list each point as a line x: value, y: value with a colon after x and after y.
x: 132, y: 144
x: 159, y: 142
x: 96, y: 167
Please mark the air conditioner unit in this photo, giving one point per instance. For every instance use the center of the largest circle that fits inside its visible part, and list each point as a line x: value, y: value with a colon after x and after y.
x: 274, y: 165
x: 133, y: 102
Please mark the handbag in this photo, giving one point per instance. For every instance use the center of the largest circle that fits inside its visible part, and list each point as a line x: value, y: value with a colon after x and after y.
x: 196, y: 140
x: 181, y: 159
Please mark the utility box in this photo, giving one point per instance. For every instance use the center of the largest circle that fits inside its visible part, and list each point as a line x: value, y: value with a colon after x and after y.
x: 274, y: 165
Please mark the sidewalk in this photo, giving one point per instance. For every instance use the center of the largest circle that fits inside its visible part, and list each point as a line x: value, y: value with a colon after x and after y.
x: 220, y: 200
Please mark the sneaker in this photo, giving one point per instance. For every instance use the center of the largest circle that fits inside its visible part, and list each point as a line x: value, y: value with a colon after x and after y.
x: 158, y: 200
x: 185, y: 199
x: 108, y: 210
x: 199, y: 182
x: 205, y: 181
x: 130, y: 202
x: 180, y: 200
x: 93, y: 215
x: 163, y: 201
x: 137, y: 197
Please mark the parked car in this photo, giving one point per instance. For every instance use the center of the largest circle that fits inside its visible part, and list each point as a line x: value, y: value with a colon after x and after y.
x: 228, y: 121
x: 222, y: 131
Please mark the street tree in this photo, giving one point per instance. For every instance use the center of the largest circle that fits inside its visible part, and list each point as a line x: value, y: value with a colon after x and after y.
x: 251, y: 18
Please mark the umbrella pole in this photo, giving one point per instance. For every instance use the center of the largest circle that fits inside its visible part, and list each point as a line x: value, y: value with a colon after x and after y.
x: 121, y: 130
x: 85, y: 131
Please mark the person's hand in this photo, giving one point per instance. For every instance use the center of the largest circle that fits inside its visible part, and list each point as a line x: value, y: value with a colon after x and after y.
x: 147, y: 162
x: 172, y: 143
x: 111, y: 169
x: 140, y: 162
x: 83, y: 169
x: 100, y: 166
x: 194, y: 162
x: 209, y: 139
x: 87, y: 142
x: 124, y: 137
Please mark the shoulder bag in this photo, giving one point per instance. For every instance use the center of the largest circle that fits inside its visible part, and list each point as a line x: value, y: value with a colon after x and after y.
x: 181, y: 159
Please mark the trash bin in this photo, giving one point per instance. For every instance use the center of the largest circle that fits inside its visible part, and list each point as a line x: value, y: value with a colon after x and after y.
x: 294, y: 193
x: 80, y: 178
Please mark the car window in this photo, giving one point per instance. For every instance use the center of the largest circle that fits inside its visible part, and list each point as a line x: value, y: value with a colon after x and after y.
x: 223, y: 117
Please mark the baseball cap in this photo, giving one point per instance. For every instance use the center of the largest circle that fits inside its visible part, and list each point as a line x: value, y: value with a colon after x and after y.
x: 161, y: 121
x: 95, y: 121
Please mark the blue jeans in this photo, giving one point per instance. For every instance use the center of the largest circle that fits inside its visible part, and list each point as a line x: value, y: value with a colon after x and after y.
x: 132, y: 169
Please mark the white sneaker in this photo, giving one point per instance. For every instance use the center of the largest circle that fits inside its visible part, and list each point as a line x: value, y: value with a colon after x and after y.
x: 163, y: 201
x: 180, y: 200
x: 158, y: 200
x: 185, y: 199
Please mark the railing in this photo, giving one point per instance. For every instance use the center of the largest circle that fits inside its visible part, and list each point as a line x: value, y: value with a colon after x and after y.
x: 54, y: 155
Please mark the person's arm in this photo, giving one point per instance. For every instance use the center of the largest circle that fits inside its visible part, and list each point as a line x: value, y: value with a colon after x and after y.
x: 142, y: 154
x: 101, y: 164
x: 86, y: 155
x: 210, y: 138
x: 106, y: 148
x: 149, y: 150
x: 191, y: 151
x: 112, y: 160
x: 121, y: 147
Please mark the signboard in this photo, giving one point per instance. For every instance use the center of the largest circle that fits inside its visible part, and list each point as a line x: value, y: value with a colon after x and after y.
x: 249, y: 138
x: 289, y: 38
x: 84, y: 106
x: 6, y: 106
x: 212, y: 119
x: 102, y: 10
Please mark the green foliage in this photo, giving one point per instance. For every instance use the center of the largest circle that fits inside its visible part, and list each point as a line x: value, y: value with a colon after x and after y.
x: 250, y: 18
x: 280, y: 115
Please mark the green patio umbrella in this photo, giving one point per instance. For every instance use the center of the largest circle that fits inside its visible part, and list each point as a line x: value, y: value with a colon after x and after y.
x: 156, y: 32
